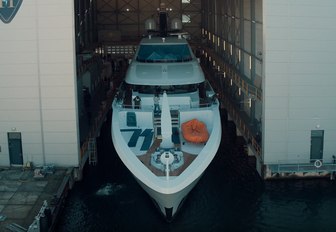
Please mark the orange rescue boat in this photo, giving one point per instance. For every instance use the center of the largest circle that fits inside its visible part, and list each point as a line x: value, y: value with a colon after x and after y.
x: 195, y: 131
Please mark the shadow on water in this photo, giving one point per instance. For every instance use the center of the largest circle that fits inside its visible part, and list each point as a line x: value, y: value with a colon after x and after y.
x: 229, y: 197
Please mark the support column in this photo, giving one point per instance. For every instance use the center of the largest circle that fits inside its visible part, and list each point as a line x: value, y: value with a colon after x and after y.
x: 253, y: 55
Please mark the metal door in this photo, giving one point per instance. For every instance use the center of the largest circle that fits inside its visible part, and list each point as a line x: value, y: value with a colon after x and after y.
x: 15, y: 148
x: 316, y: 145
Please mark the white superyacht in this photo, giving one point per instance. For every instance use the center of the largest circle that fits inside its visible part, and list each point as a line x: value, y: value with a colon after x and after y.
x: 166, y: 125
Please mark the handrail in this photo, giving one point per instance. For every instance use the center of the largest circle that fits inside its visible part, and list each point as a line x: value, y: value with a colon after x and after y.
x: 309, y: 165
x: 180, y: 107
x: 231, y: 108
x: 240, y: 123
x: 246, y: 87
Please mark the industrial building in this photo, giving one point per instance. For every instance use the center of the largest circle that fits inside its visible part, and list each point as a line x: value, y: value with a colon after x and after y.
x: 273, y: 62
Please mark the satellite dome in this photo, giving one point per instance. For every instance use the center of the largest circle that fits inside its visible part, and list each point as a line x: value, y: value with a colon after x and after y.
x: 150, y: 24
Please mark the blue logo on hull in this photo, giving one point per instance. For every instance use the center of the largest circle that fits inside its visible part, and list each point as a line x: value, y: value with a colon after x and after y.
x: 8, y: 9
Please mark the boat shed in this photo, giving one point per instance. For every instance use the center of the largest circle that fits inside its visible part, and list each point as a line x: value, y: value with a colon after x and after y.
x: 273, y: 63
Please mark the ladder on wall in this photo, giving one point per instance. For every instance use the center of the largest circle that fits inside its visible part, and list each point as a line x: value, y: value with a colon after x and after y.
x: 92, y: 149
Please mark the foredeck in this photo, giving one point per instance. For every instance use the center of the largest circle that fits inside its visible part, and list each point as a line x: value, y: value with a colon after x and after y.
x: 146, y: 158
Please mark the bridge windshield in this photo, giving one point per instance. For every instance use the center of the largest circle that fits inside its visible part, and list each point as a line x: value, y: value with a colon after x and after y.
x: 147, y: 89
x: 164, y: 53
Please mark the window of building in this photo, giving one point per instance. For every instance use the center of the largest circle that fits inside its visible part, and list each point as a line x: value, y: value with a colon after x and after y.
x: 186, y: 18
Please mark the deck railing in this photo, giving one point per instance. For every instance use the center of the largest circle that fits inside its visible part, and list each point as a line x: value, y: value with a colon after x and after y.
x: 248, y: 88
x: 294, y: 166
x: 242, y: 125
x: 172, y: 107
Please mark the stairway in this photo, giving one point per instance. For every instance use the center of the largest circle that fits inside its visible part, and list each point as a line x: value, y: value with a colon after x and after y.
x: 157, y: 122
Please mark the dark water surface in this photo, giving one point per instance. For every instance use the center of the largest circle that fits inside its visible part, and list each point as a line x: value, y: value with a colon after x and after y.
x: 229, y: 197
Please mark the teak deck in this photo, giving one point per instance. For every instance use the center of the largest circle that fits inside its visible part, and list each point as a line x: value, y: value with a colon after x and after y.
x: 145, y: 159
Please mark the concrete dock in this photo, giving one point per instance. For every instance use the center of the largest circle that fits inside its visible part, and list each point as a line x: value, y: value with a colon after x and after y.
x: 30, y: 199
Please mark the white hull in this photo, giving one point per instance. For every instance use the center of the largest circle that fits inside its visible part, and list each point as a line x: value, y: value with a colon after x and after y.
x: 168, y: 204
x: 168, y: 194
x: 166, y: 125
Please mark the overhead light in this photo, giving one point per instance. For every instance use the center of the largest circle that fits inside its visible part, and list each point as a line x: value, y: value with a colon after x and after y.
x: 250, y: 62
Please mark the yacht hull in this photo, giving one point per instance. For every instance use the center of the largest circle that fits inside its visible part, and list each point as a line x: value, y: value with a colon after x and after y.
x: 168, y: 204
x: 166, y: 125
x: 167, y: 193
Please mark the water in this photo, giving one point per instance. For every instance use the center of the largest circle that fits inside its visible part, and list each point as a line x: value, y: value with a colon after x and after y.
x: 229, y: 197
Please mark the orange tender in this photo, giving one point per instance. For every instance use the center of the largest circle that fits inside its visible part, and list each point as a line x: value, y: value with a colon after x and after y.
x: 195, y: 131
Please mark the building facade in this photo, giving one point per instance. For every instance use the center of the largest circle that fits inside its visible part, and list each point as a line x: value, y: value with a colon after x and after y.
x: 275, y: 60
x: 38, y: 102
